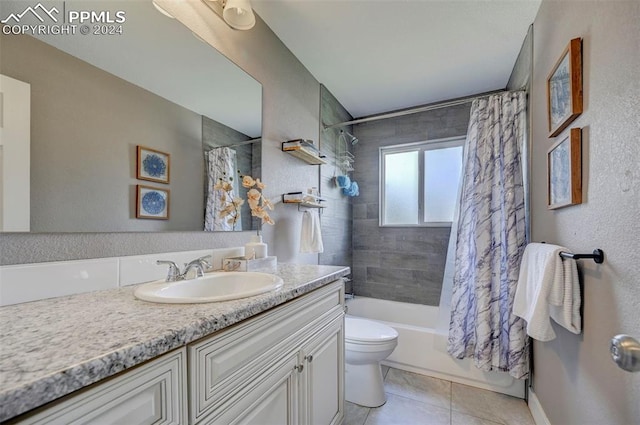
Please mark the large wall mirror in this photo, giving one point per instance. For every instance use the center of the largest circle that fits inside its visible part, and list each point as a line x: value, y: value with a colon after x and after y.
x: 95, y: 98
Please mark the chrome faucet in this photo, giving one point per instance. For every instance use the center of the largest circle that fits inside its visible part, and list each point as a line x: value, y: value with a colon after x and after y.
x: 199, y: 265
x: 174, y: 271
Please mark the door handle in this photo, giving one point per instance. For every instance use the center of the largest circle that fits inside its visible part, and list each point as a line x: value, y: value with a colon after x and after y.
x: 625, y: 352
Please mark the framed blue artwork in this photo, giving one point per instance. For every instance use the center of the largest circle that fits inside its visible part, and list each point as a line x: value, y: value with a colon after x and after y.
x: 152, y: 165
x: 564, y: 168
x: 152, y: 202
x: 564, y: 88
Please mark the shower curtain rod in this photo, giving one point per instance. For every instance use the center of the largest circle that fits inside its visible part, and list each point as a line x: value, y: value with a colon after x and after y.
x: 415, y: 110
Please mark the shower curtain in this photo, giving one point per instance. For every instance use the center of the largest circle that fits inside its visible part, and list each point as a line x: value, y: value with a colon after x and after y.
x: 221, y: 164
x: 491, y: 236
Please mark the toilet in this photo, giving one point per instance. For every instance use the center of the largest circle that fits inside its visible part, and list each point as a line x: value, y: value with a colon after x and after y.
x: 367, y: 343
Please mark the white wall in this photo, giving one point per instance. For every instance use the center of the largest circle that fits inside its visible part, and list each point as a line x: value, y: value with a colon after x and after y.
x: 574, y: 378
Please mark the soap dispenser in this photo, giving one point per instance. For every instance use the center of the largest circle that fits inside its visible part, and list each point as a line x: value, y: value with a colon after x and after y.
x: 255, y: 248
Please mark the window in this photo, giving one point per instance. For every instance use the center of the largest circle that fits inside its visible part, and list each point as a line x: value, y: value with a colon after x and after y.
x: 419, y: 182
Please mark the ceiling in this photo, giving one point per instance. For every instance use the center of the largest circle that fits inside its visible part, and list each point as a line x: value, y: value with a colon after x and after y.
x: 383, y: 55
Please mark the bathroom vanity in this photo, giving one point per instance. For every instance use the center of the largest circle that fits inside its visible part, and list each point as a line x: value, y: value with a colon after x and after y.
x: 273, y: 358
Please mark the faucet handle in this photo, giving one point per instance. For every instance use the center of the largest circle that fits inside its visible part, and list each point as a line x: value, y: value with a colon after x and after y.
x: 174, y: 271
x: 205, y: 261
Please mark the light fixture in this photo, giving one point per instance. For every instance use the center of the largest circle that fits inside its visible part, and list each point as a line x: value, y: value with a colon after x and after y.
x: 161, y: 10
x: 236, y: 13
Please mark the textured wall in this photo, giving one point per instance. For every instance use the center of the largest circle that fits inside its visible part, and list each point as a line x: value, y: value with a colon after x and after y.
x: 574, y: 377
x: 400, y: 264
x: 85, y: 125
x: 291, y: 99
x: 336, y: 218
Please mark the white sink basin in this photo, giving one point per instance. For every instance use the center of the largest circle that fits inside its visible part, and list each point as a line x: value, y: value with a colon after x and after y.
x: 218, y: 286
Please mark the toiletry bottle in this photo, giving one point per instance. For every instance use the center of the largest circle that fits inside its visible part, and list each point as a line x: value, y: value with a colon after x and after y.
x: 255, y: 247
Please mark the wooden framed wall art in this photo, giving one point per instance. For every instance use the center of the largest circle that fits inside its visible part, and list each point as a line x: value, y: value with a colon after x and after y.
x: 564, y: 171
x: 152, y: 165
x: 564, y: 88
x: 152, y: 202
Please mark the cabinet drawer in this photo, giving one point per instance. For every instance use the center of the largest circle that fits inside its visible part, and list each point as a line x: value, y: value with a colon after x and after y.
x: 230, y: 360
x: 154, y: 393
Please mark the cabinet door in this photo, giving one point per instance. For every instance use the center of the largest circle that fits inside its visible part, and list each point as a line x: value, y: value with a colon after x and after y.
x: 228, y: 361
x: 323, y: 383
x: 271, y: 400
x: 154, y: 393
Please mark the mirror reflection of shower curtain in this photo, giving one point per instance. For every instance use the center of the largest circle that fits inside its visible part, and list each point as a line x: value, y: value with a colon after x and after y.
x: 221, y: 164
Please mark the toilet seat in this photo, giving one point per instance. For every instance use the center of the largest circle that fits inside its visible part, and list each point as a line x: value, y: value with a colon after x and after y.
x: 367, y: 332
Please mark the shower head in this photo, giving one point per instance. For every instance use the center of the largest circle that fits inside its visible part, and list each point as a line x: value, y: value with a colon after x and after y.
x: 353, y: 140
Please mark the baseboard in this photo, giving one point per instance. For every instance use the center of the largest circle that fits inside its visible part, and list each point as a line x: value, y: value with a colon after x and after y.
x: 536, y: 409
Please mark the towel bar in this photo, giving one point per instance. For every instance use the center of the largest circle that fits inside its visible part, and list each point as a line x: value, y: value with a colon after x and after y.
x: 597, y: 256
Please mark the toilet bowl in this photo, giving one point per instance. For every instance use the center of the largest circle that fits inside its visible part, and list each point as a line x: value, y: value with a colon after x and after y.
x: 367, y: 343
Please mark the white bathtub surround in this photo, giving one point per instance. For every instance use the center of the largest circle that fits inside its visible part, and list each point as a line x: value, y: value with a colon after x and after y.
x: 31, y: 282
x: 96, y: 335
x: 491, y: 239
x: 422, y: 349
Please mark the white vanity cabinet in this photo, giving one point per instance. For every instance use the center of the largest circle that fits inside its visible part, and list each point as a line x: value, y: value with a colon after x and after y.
x: 285, y: 366
x: 154, y: 393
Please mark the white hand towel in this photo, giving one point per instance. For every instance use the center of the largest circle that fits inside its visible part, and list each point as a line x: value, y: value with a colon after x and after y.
x: 567, y: 314
x: 545, y: 290
x: 310, y: 234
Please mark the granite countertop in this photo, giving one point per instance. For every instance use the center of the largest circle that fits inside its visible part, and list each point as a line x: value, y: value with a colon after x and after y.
x: 52, y: 347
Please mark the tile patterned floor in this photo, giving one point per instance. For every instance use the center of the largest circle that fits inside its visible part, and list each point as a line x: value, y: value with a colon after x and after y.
x: 414, y: 399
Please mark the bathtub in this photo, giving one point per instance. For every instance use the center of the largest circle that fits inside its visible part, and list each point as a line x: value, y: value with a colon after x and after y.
x: 422, y: 349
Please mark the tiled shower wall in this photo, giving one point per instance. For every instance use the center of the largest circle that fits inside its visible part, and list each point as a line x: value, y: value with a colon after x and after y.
x: 336, y: 219
x: 398, y: 263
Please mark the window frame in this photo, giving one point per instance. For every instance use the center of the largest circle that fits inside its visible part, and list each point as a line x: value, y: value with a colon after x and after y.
x: 421, y: 147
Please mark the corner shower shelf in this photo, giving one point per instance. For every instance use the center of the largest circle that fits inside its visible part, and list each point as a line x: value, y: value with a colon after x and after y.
x: 304, y: 150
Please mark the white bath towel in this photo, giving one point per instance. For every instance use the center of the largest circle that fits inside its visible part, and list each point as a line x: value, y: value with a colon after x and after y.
x: 310, y: 234
x: 547, y: 288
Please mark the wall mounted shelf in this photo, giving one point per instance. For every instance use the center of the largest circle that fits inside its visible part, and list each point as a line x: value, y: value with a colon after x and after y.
x: 302, y: 200
x: 304, y: 150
